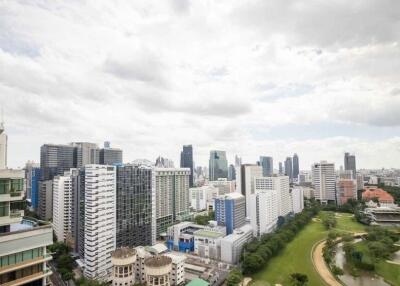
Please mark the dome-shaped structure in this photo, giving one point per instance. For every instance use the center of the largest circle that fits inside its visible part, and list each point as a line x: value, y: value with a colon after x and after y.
x: 158, y: 269
x: 123, y: 261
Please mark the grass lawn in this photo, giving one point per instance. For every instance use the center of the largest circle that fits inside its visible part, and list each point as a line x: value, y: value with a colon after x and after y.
x: 296, y: 257
x: 390, y: 272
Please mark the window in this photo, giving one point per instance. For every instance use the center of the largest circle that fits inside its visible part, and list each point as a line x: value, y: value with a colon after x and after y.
x: 4, y: 209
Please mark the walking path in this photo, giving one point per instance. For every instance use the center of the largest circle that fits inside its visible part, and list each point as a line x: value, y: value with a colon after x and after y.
x: 320, y: 265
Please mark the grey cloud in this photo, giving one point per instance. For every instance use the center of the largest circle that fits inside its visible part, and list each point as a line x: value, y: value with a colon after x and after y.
x: 143, y: 68
x: 323, y: 23
x: 181, y: 6
x: 272, y: 92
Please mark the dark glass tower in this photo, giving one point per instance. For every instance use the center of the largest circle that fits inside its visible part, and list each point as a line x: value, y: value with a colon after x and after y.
x: 289, y: 168
x: 350, y: 164
x: 135, y: 212
x: 295, y: 166
x: 55, y: 160
x: 187, y: 161
x: 218, y: 165
x: 267, y: 164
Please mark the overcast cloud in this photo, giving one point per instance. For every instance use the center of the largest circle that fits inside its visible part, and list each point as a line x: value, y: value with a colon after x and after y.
x: 250, y: 77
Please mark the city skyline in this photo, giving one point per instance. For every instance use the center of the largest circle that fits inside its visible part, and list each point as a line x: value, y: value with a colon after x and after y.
x: 138, y: 74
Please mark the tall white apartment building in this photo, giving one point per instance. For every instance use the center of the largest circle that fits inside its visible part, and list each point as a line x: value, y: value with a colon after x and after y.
x: 62, y: 206
x: 201, y: 197
x: 172, y: 196
x: 264, y: 211
x: 297, y: 200
x: 247, y: 174
x: 324, y: 181
x: 279, y: 184
x: 100, y: 220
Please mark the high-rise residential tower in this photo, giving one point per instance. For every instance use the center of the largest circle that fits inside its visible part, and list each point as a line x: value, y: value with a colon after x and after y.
x: 267, y: 164
x: 100, y: 220
x: 324, y: 181
x: 279, y: 184
x: 248, y: 172
x: 172, y: 196
x: 187, y: 161
x: 296, y: 167
x: 218, y: 165
x: 230, y: 211
x: 350, y: 164
x: 136, y: 208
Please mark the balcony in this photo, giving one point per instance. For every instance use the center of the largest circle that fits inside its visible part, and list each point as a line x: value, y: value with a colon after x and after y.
x: 25, y: 263
x: 12, y: 196
x: 29, y: 278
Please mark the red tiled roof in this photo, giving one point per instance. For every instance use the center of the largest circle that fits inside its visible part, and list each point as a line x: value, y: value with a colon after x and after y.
x: 382, y: 195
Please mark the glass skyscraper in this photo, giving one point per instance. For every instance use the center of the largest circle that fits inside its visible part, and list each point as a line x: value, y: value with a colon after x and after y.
x: 187, y: 161
x: 218, y: 165
x: 267, y: 165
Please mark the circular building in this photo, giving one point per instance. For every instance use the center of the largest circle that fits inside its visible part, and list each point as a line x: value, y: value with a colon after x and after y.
x: 123, y: 261
x: 158, y: 270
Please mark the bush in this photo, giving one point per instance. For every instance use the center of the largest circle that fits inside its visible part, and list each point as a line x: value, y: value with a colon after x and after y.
x: 234, y: 277
x: 337, y: 271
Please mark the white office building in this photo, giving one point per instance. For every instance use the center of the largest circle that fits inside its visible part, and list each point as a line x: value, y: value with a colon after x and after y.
x: 62, y: 206
x: 324, y: 181
x: 224, y: 186
x: 100, y: 220
x: 248, y: 173
x: 264, y: 211
x: 232, y: 245
x: 202, y: 197
x: 279, y: 184
x: 297, y: 200
x: 207, y: 243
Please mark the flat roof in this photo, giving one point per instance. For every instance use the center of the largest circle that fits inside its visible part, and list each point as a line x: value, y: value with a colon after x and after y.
x: 208, y: 233
x: 198, y: 282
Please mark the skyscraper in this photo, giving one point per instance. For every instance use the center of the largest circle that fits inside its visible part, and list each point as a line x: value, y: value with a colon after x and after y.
x: 231, y: 173
x: 280, y: 168
x: 218, y: 165
x: 85, y: 153
x: 267, y: 165
x: 230, y: 211
x: 136, y: 209
x: 110, y: 156
x: 296, y: 167
x: 350, y: 164
x: 172, y: 193
x: 263, y: 211
x: 55, y: 160
x: 187, y: 161
x: 289, y: 168
x: 324, y: 181
x: 100, y: 220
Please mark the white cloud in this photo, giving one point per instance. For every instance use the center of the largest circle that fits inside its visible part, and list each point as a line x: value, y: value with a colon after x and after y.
x: 151, y: 76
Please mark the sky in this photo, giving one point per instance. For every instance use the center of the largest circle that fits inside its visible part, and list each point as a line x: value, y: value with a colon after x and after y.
x: 316, y: 78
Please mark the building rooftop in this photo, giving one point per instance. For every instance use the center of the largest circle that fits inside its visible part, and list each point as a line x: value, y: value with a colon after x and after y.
x: 208, y: 233
x: 198, y: 282
x: 237, y: 233
x: 158, y: 261
x: 232, y: 196
x: 381, y: 195
x: 123, y: 252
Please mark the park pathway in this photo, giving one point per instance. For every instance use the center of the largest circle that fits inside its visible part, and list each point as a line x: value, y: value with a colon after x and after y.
x: 320, y: 265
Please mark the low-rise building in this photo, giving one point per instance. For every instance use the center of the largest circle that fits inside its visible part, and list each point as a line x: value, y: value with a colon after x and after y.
x: 383, y: 197
x: 207, y: 243
x: 232, y: 245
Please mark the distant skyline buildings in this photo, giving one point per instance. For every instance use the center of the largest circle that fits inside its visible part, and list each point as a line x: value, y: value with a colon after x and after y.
x: 267, y: 164
x: 218, y: 165
x: 350, y: 164
x: 296, y: 167
x: 187, y: 162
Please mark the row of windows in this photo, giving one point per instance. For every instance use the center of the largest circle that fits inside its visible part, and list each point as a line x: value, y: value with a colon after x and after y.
x: 20, y: 257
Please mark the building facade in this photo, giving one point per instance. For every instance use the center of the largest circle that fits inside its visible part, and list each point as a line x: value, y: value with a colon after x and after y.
x: 172, y: 196
x: 248, y: 172
x: 324, y: 181
x: 136, y: 206
x: 346, y: 189
x: 218, y: 165
x: 232, y: 244
x: 350, y: 164
x: 230, y: 211
x: 296, y: 167
x: 187, y: 161
x: 267, y: 164
x: 110, y: 156
x: 100, y: 221
x: 264, y: 211
x: 289, y: 168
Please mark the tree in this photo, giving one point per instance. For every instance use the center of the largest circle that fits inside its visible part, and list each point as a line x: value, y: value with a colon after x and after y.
x: 234, y: 277
x: 298, y: 279
x: 252, y: 263
x: 329, y: 220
